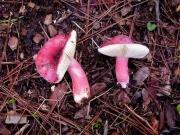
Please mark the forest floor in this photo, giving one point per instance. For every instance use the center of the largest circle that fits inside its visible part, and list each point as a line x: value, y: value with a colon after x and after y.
x: 149, y: 106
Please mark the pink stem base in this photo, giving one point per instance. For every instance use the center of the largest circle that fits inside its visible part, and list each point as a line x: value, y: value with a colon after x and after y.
x: 122, y: 74
x: 81, y: 89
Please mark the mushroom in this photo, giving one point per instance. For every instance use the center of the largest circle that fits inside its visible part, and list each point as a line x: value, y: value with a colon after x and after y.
x: 80, y: 84
x: 122, y: 48
x: 56, y: 57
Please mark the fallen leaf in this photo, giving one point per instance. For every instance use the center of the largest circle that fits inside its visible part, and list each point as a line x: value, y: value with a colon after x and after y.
x: 178, y: 8
x: 97, y: 88
x: 3, y: 26
x: 37, y: 38
x: 125, y: 10
x: 154, y: 123
x: 48, y: 19
x: 166, y: 90
x: 52, y: 30
x: 4, y: 130
x: 116, y: 18
x: 170, y: 115
x: 31, y: 4
x: 146, y: 99
x: 141, y: 75
x: 13, y: 42
x: 58, y: 93
x: 151, y: 26
x: 137, y: 95
x: 161, y: 121
x: 175, y: 2
x: 178, y: 108
x: 22, y: 10
x: 24, y: 32
x: 165, y: 75
x: 152, y: 88
x: 81, y: 113
x: 123, y: 97
x: 15, y: 118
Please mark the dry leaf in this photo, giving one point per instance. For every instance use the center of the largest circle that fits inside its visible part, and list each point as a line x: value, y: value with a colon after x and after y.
x: 165, y: 75
x: 13, y: 42
x: 97, y: 88
x: 24, y: 32
x: 22, y: 9
x: 146, y: 99
x: 125, y: 10
x: 31, y: 4
x: 48, y: 19
x: 170, y: 115
x: 58, y: 93
x: 15, y: 118
x: 37, y: 38
x: 178, y: 8
x: 81, y: 113
x: 137, y: 95
x: 123, y: 97
x: 3, y: 26
x: 4, y: 130
x: 155, y: 123
x: 52, y: 30
x: 141, y: 75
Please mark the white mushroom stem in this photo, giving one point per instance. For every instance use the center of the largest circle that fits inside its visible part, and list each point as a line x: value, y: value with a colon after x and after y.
x: 80, y: 84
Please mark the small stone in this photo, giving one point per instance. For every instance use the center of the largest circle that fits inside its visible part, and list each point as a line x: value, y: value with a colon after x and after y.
x: 48, y: 19
x: 37, y: 38
x: 52, y: 30
x: 21, y: 56
x: 13, y: 42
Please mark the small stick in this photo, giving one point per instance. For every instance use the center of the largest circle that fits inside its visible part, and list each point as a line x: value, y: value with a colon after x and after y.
x: 106, y: 128
x: 22, y: 129
x: 44, y: 30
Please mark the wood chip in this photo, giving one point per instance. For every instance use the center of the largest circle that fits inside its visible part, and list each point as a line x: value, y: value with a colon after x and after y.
x: 13, y: 42
x: 52, y: 30
x: 48, y: 19
x: 141, y: 75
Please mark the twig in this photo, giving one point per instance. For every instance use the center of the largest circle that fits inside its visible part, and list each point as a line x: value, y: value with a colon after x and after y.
x: 44, y: 30
x: 145, y: 121
x: 106, y: 128
x: 22, y: 129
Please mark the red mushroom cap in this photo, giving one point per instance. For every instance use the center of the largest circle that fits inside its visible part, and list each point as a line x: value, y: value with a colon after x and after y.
x: 53, y: 56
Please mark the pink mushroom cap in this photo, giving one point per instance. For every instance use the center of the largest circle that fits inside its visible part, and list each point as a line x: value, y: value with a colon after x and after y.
x: 122, y: 47
x: 54, y: 57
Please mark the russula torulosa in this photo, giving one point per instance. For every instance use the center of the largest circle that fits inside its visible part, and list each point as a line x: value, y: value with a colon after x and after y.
x: 80, y: 84
x: 122, y: 48
x: 56, y: 57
